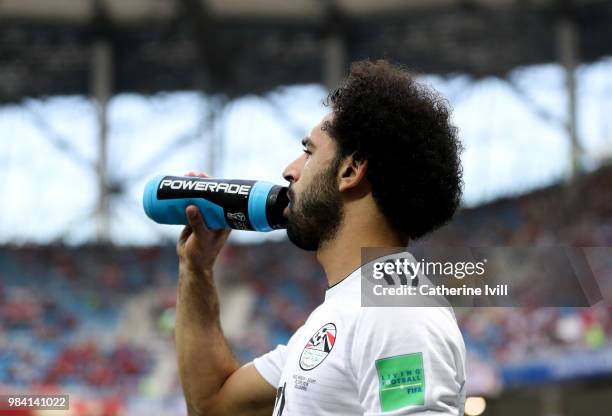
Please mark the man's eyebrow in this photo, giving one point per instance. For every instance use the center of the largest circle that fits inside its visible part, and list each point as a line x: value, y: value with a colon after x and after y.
x: 307, y: 143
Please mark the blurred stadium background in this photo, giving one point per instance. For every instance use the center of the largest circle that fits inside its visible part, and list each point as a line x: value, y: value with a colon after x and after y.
x: 97, y: 96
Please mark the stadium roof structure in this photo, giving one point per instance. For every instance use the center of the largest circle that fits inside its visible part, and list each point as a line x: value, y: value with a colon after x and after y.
x: 230, y: 48
x: 237, y: 47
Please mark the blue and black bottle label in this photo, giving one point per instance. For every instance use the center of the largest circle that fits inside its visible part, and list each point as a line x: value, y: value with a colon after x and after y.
x: 231, y: 195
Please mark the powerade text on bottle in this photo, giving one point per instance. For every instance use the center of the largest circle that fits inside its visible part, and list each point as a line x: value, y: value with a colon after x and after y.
x: 223, y: 203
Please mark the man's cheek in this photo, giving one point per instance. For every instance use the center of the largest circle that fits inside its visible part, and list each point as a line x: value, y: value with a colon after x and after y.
x: 306, y: 164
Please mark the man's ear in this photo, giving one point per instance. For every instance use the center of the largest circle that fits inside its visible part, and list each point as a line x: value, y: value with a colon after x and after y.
x: 352, y: 173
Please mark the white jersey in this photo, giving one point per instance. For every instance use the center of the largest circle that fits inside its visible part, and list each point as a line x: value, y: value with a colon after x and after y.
x: 353, y: 360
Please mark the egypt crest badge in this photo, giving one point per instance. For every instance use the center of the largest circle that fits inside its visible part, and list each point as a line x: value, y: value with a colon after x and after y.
x: 318, y: 347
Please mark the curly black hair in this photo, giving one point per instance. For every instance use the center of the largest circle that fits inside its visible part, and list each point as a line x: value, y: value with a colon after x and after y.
x: 403, y: 129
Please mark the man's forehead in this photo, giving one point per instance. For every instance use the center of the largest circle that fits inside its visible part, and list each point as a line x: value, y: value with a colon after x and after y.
x: 318, y: 135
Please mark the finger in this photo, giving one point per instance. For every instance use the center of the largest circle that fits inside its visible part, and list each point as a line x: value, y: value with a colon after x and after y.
x: 203, y: 175
x: 221, y: 236
x: 185, y: 233
x: 196, y: 222
x: 190, y: 173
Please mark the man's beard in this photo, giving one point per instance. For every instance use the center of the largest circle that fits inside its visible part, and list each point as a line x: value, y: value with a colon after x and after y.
x: 316, y: 217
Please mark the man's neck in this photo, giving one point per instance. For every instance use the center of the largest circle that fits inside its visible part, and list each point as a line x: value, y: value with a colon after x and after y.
x: 342, y: 255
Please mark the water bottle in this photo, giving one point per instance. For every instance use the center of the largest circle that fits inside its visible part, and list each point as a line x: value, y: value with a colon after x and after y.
x: 223, y: 203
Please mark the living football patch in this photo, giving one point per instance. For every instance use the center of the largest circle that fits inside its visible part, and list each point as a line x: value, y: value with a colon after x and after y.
x: 401, y: 381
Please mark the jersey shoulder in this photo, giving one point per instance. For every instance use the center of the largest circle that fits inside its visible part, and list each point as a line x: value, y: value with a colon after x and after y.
x: 429, y: 326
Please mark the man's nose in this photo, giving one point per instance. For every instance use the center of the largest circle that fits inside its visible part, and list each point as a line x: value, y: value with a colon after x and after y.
x: 292, y: 171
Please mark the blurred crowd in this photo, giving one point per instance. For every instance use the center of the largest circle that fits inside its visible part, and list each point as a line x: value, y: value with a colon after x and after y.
x: 577, y: 214
x: 513, y: 335
x: 60, y: 314
x: 62, y: 308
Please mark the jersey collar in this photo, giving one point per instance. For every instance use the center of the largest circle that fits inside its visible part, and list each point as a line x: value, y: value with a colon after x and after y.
x: 338, y: 287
